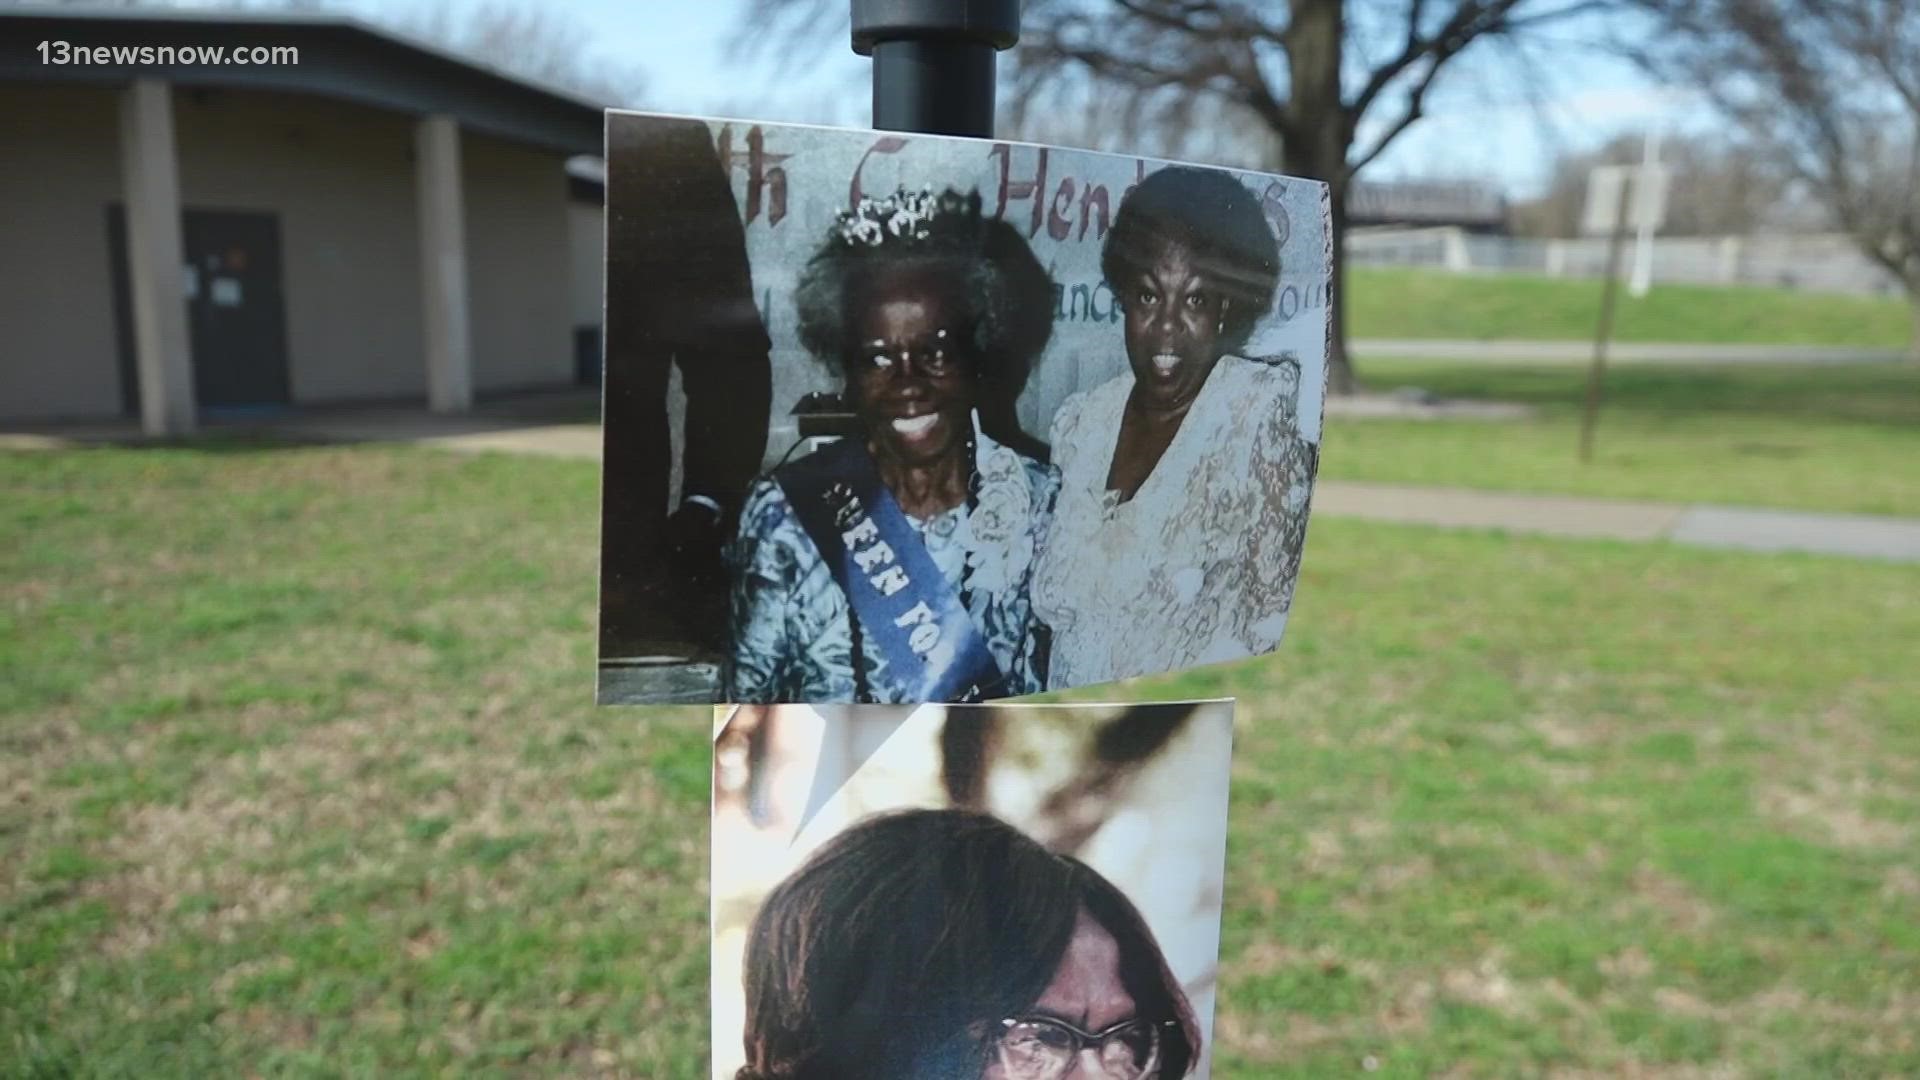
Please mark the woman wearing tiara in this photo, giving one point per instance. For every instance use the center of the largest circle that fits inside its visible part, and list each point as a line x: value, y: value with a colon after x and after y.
x: 894, y: 566
x: 1186, y: 478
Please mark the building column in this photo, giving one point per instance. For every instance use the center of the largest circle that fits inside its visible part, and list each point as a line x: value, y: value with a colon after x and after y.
x: 443, y: 264
x: 150, y: 176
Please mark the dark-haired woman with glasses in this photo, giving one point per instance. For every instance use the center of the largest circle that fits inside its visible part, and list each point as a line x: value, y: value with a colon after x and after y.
x: 947, y: 945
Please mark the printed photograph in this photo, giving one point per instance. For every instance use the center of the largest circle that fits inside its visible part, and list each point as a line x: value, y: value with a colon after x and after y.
x: 968, y: 892
x: 903, y: 418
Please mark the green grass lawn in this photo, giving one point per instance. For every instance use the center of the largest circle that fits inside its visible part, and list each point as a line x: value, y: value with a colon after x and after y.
x: 1828, y: 437
x: 302, y: 778
x: 1394, y: 303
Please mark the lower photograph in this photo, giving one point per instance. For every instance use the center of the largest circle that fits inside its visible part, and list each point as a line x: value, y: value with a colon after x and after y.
x: 1001, y: 892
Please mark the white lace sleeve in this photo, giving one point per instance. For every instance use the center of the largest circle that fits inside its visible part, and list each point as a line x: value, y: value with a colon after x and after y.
x: 1283, y: 465
x: 1064, y: 435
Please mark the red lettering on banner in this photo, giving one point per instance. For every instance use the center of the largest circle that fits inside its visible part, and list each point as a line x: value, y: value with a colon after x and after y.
x: 1139, y: 174
x: 766, y: 179
x: 774, y: 179
x: 1010, y: 189
x: 885, y: 144
x: 1058, y: 224
x: 1096, y: 196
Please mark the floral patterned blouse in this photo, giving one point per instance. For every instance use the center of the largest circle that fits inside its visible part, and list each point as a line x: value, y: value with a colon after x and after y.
x: 1199, y: 566
x: 792, y: 627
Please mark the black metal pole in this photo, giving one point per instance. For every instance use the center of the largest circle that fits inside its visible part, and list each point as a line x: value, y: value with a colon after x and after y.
x: 934, y: 61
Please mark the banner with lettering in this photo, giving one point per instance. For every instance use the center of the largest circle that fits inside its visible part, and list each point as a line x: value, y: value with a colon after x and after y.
x: 790, y: 180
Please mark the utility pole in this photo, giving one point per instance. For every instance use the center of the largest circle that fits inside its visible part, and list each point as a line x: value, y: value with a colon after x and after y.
x: 934, y: 61
x: 1596, y: 375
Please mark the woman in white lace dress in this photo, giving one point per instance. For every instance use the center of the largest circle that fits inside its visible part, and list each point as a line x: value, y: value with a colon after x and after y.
x: 1183, y: 505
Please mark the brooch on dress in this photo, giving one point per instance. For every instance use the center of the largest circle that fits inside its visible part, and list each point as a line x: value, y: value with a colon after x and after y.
x: 998, y: 534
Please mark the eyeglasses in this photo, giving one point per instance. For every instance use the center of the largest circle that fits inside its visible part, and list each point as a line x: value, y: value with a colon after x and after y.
x: 934, y: 357
x: 1042, y: 1048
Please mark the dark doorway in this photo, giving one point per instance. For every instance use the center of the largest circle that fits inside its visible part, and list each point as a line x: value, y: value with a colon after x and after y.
x: 236, y: 311
x: 586, y: 356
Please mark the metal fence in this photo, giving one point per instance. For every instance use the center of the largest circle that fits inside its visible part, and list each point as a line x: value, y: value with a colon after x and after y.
x: 1812, y: 262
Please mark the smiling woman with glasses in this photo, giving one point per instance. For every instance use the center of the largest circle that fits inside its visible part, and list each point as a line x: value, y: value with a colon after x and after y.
x: 947, y: 945
x: 893, y: 565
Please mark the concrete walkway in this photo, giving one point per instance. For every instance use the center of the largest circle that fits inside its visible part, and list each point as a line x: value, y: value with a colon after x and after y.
x: 561, y: 423
x: 1634, y: 351
x: 558, y: 426
x: 1853, y: 535
x: 1699, y: 525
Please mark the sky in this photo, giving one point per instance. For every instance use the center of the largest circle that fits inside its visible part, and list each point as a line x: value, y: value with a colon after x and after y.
x: 1482, y: 123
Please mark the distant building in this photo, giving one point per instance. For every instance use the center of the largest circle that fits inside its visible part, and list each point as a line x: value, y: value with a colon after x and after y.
x: 1464, y: 204
x: 376, y: 221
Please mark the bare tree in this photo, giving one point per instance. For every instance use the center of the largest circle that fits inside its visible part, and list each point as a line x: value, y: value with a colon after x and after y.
x: 1833, y: 86
x: 1719, y: 187
x: 531, y: 41
x: 1318, y: 88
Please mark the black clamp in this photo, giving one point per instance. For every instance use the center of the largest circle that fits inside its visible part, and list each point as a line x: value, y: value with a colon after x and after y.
x: 934, y: 60
x: 989, y: 22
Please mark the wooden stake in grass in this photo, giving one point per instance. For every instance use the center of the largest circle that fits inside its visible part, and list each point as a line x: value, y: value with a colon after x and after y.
x: 1590, y: 418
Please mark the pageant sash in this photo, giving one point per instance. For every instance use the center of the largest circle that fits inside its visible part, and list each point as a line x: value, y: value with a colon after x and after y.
x: 903, y: 604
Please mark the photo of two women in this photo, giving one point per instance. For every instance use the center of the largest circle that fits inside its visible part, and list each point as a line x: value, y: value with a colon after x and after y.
x: 995, y: 459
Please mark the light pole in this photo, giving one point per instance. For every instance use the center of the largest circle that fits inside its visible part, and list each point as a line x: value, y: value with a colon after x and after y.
x: 934, y: 60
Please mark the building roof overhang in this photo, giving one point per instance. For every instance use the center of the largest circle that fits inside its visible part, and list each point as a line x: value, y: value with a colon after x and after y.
x: 339, y: 58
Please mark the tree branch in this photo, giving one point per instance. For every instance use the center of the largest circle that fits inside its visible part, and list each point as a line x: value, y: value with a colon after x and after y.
x: 1180, y: 18
x: 1137, y: 74
x: 1468, y: 21
x: 1415, y: 109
